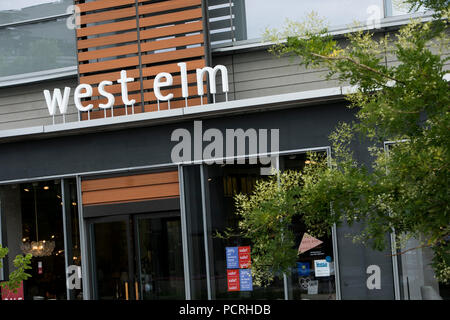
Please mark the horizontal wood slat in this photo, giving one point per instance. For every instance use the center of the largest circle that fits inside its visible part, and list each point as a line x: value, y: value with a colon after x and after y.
x: 173, y: 55
x: 131, y: 194
x: 107, y: 40
x: 129, y: 181
x: 146, y: 72
x: 110, y: 52
x: 170, y: 18
x: 130, y: 188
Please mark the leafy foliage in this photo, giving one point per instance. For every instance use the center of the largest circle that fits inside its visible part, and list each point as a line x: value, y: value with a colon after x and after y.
x: 406, y: 187
x: 265, y: 215
x: 21, y: 263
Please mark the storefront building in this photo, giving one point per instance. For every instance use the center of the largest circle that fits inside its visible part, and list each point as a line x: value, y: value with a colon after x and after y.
x: 120, y: 187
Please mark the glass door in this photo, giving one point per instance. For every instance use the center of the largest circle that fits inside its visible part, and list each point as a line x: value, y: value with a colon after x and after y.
x: 160, y: 257
x: 112, y: 258
x: 137, y: 257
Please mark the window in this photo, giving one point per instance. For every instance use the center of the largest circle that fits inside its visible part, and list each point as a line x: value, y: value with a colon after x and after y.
x: 35, y: 36
x: 236, y: 20
x: 41, y: 218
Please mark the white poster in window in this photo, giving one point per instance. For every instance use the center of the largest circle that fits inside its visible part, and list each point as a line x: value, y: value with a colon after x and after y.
x: 313, y: 287
x: 322, y: 268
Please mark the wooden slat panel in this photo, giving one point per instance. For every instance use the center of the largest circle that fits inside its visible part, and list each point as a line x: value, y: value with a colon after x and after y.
x: 107, y: 40
x: 170, y: 18
x: 130, y: 188
x: 106, y: 53
x: 103, y: 4
x: 192, y: 102
x: 131, y: 194
x: 107, y: 28
x: 129, y: 181
x: 100, y: 114
x: 172, y: 43
x: 173, y: 55
x: 108, y: 15
x: 109, y: 65
x: 146, y: 72
x: 168, y: 5
x: 171, y: 30
x: 150, y: 96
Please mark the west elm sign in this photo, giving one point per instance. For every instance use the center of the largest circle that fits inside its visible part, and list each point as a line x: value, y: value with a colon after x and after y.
x: 163, y: 79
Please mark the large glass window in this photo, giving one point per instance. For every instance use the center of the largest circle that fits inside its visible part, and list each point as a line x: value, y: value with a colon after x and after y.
x: 41, y: 219
x: 313, y: 276
x: 35, y: 36
x: 21, y: 10
x: 236, y: 20
x: 223, y: 183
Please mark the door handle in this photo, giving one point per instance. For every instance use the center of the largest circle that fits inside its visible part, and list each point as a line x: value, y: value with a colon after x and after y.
x: 136, y: 288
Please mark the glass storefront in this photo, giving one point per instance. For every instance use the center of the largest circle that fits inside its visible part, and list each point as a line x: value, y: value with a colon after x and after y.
x: 313, y: 275
x: 138, y: 257
x: 41, y: 219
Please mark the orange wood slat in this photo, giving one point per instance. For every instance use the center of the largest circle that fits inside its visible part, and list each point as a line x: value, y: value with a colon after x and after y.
x: 108, y: 15
x: 109, y: 65
x: 106, y: 4
x: 146, y: 72
x: 172, y: 43
x: 130, y: 188
x: 116, y: 88
x: 106, y: 28
x: 129, y: 181
x: 196, y: 26
x: 150, y: 96
x: 111, y: 76
x: 173, y: 55
x: 107, y: 40
x: 131, y: 194
x: 191, y: 77
x: 167, y: 5
x: 192, y: 102
x: 171, y: 18
x: 103, y: 4
x: 110, y: 52
x: 100, y: 114
x: 172, y: 67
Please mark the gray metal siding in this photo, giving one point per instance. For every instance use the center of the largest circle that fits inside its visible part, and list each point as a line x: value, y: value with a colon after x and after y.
x: 25, y: 106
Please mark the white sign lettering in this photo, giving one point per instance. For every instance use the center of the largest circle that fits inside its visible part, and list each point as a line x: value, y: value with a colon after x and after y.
x: 161, y: 80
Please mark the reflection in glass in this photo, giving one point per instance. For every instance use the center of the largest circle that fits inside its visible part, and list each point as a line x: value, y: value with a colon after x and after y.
x: 313, y: 276
x: 20, y: 10
x: 399, y: 7
x: 161, y: 259
x: 20, y: 203
x: 250, y: 18
x: 36, y: 47
x: 223, y: 182
x: 112, y: 260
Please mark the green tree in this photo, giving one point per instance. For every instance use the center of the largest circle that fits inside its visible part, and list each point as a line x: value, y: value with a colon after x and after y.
x: 404, y: 189
x: 21, y: 263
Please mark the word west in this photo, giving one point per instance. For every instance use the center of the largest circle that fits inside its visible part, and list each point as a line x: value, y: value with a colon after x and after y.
x: 161, y: 80
x: 255, y: 141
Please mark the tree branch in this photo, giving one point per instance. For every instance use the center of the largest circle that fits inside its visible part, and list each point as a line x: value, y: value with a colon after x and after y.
x: 362, y: 66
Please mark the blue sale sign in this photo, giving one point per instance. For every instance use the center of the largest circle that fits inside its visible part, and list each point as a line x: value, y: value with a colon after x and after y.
x: 232, y: 255
x: 303, y: 268
x: 245, y: 280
